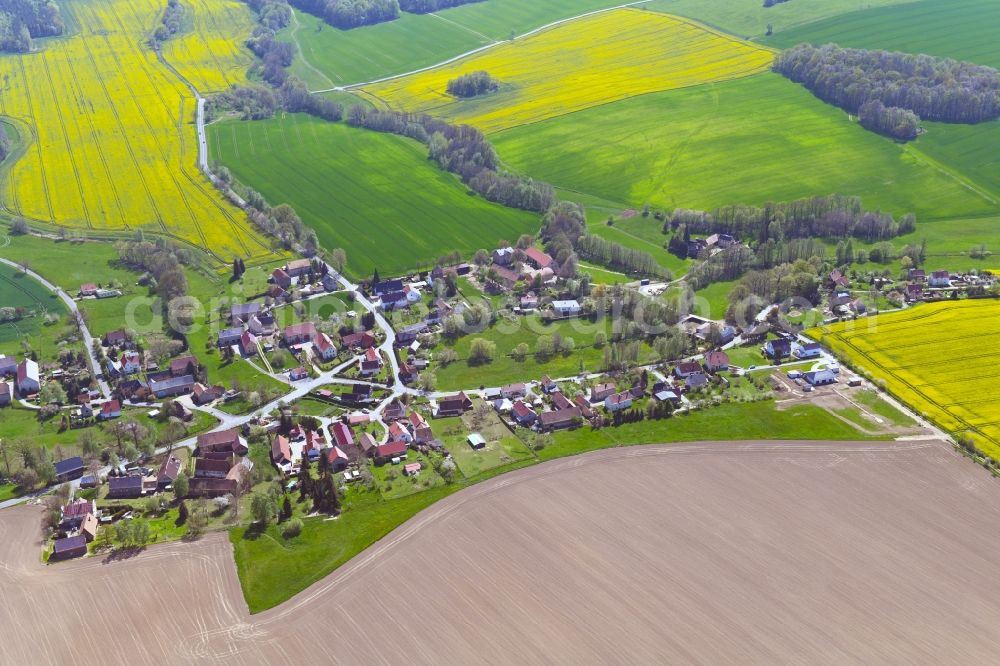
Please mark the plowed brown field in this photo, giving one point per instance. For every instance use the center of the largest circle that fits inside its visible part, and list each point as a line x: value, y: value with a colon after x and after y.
x: 712, y: 553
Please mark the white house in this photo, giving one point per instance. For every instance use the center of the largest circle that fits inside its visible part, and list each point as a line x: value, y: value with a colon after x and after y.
x: 27, y: 377
x: 808, y: 350
x: 566, y: 308
x: 618, y: 401
x: 940, y: 279
x: 324, y: 347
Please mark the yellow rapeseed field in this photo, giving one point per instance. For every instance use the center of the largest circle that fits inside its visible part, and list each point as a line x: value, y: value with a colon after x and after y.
x: 939, y: 358
x: 113, y: 142
x: 212, y: 55
x: 577, y: 65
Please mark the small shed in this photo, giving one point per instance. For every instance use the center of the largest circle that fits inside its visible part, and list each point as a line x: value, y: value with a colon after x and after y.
x: 477, y: 441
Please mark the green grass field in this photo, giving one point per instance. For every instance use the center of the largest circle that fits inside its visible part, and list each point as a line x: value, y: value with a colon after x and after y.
x: 749, y: 18
x: 341, y: 57
x: 507, y: 335
x: 747, y: 141
x: 960, y: 29
x: 18, y: 290
x: 375, y: 195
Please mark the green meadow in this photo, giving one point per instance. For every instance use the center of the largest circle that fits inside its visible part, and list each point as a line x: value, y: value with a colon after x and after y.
x: 18, y: 290
x: 375, y: 195
x: 749, y: 18
x: 960, y: 29
x: 748, y: 141
x: 342, y: 57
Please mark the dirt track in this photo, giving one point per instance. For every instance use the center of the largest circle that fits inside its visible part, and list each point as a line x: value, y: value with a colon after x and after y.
x: 819, y: 553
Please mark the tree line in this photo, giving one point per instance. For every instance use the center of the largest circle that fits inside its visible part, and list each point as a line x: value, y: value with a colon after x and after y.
x: 24, y: 20
x: 170, y: 24
x: 931, y: 88
x: 832, y: 216
x: 462, y: 150
x: 4, y: 143
x: 473, y: 84
x: 427, y: 6
x: 347, y: 14
x: 891, y: 121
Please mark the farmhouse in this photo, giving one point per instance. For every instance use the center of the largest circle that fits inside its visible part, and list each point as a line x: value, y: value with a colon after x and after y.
x: 88, y: 289
x: 686, y: 369
x: 756, y: 333
x: 229, y: 336
x: 387, y: 286
x: 112, y: 409
x: 241, y: 313
x: 716, y: 361
x: 537, y: 259
x: 503, y: 256
x: 360, y: 340
x: 125, y: 487
x: 202, y: 395
x: 454, y: 405
x: 418, y: 426
x: 397, y: 431
x: 281, y: 278
x: 8, y: 366
x: 169, y: 470
x: 262, y: 325
x: 914, y: 292
x: 600, y: 392
x: 523, y: 414
x: 223, y: 441
x: 342, y: 434
x: 170, y: 387
x: 394, y: 411
x: 566, y: 308
x: 131, y: 363
x: 511, y: 391
x: 618, y: 401
x: 820, y: 377
x: 74, y: 513
x: 298, y: 267
x: 386, y: 452
x: 248, y: 344
x: 808, y: 350
x: 28, y: 382
x: 68, y: 548
x: 298, y: 333
x: 559, y: 401
x: 371, y: 362
x: 211, y: 487
x: 69, y: 469
x: 556, y: 420
x: 298, y: 374
x: 410, y: 333
x: 186, y: 365
x: 778, y: 348
x: 696, y: 380
x: 336, y: 457
x: 367, y: 444
x: 212, y: 468
x: 505, y: 278
x: 324, y: 347
x: 281, y: 452
x: 940, y: 279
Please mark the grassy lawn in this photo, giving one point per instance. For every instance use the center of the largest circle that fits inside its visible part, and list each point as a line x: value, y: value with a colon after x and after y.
x: 45, y: 328
x: 959, y: 29
x: 744, y: 357
x: 732, y: 421
x: 508, y: 334
x: 712, y: 301
x: 413, y: 41
x: 636, y: 237
x: 502, y: 446
x: 382, y: 220
x: 626, y: 152
x: 273, y: 569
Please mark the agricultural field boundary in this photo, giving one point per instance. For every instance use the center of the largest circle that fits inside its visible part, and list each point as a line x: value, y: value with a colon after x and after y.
x: 690, y: 55
x: 842, y: 340
x: 351, y: 86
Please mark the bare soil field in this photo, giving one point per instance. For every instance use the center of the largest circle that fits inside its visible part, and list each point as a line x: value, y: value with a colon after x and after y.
x: 758, y: 552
